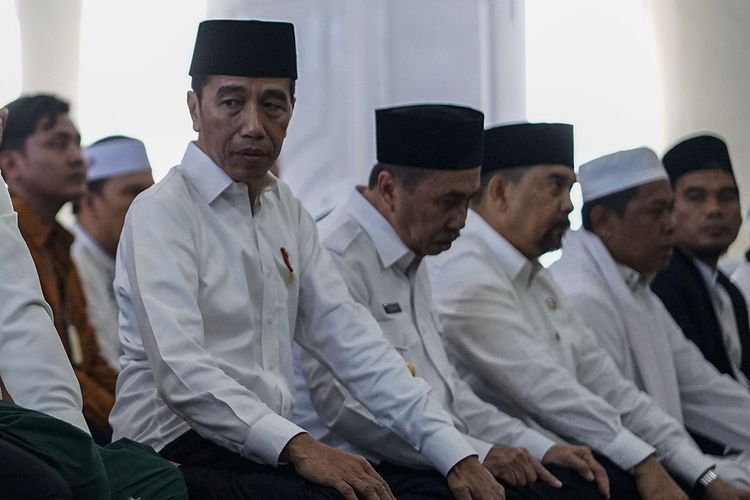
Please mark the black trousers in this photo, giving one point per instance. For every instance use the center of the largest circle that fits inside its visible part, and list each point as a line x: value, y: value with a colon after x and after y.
x: 212, y: 472
x: 414, y: 484
x: 25, y: 477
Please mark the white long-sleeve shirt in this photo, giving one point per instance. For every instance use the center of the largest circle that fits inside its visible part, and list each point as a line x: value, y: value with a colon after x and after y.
x: 96, y: 269
x: 33, y: 364
x: 709, y: 402
x: 210, y: 305
x: 382, y: 274
x: 520, y: 345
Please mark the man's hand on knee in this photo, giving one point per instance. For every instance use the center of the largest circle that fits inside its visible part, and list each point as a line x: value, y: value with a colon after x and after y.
x: 351, y: 475
x: 470, y: 480
x: 517, y: 467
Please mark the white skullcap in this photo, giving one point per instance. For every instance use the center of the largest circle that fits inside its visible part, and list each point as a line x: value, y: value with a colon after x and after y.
x: 619, y: 171
x: 115, y: 156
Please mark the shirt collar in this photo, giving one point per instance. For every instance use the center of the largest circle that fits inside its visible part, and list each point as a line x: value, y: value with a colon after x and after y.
x: 515, y: 263
x: 208, y: 178
x: 388, y: 244
x: 709, y: 275
x: 31, y: 225
x: 81, y: 235
x: 632, y: 278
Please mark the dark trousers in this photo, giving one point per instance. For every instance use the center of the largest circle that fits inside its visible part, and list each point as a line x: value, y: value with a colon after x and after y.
x: 415, y: 484
x: 25, y: 477
x: 213, y: 472
x: 621, y: 484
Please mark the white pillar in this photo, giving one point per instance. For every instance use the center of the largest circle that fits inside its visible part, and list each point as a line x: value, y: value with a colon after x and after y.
x: 706, y: 75
x: 50, y: 39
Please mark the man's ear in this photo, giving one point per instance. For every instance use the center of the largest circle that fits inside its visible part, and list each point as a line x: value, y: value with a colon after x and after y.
x: 86, y: 202
x: 388, y: 187
x: 601, y: 221
x: 10, y: 164
x: 497, y: 191
x: 194, y: 106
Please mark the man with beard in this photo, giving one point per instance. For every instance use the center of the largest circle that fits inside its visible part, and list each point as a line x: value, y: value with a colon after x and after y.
x: 415, y: 205
x: 516, y: 339
x: 606, y: 268
x: 219, y: 270
x: 710, y: 309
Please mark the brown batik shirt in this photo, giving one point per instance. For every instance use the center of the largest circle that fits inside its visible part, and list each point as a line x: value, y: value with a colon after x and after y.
x: 50, y: 249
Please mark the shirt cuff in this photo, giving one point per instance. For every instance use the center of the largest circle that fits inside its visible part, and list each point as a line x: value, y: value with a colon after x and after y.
x: 535, y: 442
x: 268, y: 437
x: 627, y: 450
x: 482, y: 448
x: 446, y: 448
x: 688, y: 463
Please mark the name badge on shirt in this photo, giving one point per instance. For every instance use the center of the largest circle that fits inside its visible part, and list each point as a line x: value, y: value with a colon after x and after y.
x: 392, y: 308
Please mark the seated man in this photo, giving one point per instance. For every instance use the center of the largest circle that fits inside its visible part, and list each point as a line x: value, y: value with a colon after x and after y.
x: 415, y: 205
x: 47, y: 452
x: 517, y: 340
x: 710, y: 310
x: 118, y: 170
x: 41, y: 161
x: 219, y: 270
x: 606, y: 268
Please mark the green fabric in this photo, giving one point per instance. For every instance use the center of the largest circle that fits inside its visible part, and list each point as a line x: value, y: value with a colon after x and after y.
x: 65, y: 448
x: 123, y: 470
x: 137, y: 472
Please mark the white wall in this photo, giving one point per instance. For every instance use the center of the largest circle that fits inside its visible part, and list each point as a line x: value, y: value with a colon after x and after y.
x: 705, y: 63
x: 357, y: 55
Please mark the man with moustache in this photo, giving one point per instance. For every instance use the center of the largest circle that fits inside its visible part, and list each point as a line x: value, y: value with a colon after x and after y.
x: 515, y: 337
x: 709, y: 308
x: 606, y: 268
x: 219, y: 269
x: 415, y: 205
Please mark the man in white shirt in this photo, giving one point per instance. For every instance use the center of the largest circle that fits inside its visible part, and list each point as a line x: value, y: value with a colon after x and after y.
x: 118, y: 170
x: 219, y: 269
x: 710, y: 310
x: 415, y: 205
x: 606, y: 268
x: 515, y: 337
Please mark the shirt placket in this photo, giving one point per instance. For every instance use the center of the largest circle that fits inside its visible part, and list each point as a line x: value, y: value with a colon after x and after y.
x: 270, y: 303
x: 421, y: 305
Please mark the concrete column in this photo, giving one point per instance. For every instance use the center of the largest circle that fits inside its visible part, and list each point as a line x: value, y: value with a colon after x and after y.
x: 705, y: 65
x: 50, y: 40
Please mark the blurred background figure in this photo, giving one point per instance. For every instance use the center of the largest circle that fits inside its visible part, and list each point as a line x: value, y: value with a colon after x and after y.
x: 119, y: 170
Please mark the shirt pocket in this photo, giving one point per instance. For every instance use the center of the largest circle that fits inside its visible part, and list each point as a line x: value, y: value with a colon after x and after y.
x: 399, y: 331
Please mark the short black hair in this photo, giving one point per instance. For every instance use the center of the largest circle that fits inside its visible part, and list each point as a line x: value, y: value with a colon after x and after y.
x: 25, y: 114
x: 617, y: 202
x: 513, y: 174
x: 197, y: 82
x: 409, y: 177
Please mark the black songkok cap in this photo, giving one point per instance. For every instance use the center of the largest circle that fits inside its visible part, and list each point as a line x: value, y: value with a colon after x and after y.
x: 526, y: 144
x: 259, y: 49
x: 702, y: 152
x: 434, y: 136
